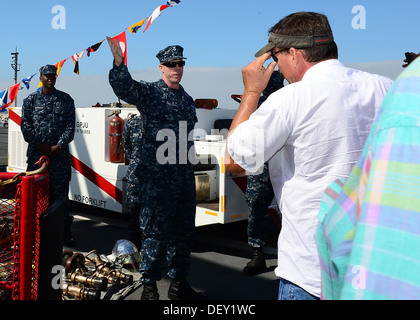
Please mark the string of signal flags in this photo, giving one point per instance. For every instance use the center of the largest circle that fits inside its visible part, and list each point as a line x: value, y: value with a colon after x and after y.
x: 8, y: 96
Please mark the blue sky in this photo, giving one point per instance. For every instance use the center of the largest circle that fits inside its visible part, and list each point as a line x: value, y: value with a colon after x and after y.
x: 217, y: 33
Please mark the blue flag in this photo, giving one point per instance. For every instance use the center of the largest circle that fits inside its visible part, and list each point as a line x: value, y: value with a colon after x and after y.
x: 172, y: 3
x: 27, y: 80
x: 3, y: 98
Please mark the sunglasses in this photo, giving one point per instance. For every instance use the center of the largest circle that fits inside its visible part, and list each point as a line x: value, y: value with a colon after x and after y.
x: 273, y: 54
x: 174, y: 64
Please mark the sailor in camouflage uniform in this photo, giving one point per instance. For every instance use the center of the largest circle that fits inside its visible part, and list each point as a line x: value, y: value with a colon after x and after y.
x: 259, y: 194
x: 48, y: 124
x: 132, y: 139
x: 166, y: 175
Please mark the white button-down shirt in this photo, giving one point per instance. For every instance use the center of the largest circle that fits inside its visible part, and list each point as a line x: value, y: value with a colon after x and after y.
x: 312, y: 132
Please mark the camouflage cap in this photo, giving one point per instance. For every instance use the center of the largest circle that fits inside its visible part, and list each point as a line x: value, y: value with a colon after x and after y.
x: 48, y: 69
x: 171, y: 53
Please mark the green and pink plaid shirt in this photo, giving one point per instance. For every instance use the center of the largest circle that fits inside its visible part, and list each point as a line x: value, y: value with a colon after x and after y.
x: 369, y: 233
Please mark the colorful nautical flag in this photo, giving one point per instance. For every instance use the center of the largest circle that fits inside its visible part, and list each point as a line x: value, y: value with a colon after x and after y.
x: 172, y: 3
x: 135, y: 27
x: 156, y: 13
x: 7, y: 98
x: 13, y: 91
x: 76, y: 58
x: 122, y: 39
x: 93, y: 48
x: 3, y: 98
x: 27, y: 80
x: 59, y: 65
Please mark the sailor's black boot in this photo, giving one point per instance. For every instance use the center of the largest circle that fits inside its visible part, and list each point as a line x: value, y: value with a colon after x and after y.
x: 150, y: 292
x: 257, y: 264
x: 181, y: 290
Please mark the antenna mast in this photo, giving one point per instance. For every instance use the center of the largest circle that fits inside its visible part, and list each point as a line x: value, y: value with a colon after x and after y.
x: 15, y: 66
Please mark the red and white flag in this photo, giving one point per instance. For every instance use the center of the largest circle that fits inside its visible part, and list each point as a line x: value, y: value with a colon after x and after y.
x: 155, y: 14
x: 122, y: 39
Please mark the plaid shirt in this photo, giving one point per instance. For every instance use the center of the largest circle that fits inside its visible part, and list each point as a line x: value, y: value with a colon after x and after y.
x: 369, y: 233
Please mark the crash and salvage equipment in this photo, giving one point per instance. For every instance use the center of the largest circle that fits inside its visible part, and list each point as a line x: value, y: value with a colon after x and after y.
x: 87, y: 276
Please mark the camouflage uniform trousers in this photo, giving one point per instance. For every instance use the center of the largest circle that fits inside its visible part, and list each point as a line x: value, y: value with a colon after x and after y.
x: 168, y: 226
x: 259, y: 195
x: 133, y: 206
x: 132, y: 139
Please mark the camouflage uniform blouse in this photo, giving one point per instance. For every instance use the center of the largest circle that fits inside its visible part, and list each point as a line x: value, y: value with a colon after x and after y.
x: 49, y: 119
x: 167, y: 113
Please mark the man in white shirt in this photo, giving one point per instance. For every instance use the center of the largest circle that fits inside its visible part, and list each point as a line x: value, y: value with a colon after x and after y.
x: 311, y: 132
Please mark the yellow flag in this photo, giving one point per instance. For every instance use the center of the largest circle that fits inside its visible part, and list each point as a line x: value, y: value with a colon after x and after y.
x: 135, y: 27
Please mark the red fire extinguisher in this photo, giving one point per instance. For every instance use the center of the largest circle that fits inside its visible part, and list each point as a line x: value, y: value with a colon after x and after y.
x: 116, y: 149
